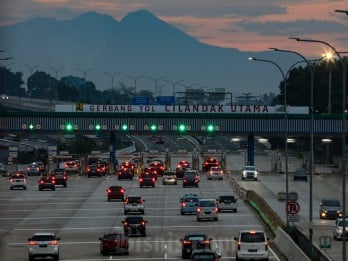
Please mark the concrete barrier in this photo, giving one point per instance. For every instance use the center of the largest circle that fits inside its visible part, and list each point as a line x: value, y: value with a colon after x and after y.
x: 288, y: 247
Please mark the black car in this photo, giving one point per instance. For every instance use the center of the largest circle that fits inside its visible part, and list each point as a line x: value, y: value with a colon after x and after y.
x: 194, y: 241
x: 330, y: 208
x: 134, y: 226
x: 47, y: 182
x: 93, y: 170
x: 125, y: 173
x: 181, y: 168
x: 115, y: 192
x: 60, y: 176
x: 191, y: 179
x: 147, y: 179
x: 300, y: 174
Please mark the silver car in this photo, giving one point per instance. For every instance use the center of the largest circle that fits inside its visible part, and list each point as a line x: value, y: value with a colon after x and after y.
x: 43, y: 245
x: 215, y: 173
x: 134, y: 204
x: 169, y: 177
x: 227, y: 203
x: 207, y: 209
x: 337, y: 229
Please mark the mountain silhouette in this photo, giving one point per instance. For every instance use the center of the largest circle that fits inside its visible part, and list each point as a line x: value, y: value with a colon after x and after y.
x: 139, y: 44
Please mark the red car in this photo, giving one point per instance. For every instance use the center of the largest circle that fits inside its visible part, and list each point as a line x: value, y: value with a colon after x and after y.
x: 157, y: 168
x: 114, y: 243
x: 211, y: 162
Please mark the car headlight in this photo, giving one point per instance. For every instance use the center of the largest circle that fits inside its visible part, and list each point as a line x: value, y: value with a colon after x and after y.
x: 244, y: 173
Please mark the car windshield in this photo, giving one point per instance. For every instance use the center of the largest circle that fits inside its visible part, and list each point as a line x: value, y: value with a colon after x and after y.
x: 340, y: 222
x: 134, y: 200
x: 207, y: 203
x: 249, y: 168
x: 169, y: 173
x: 331, y: 203
x: 253, y: 237
x: 300, y: 172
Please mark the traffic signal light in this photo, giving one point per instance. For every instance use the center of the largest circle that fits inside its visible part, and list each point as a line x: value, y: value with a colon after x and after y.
x: 182, y: 127
x: 69, y: 127
x: 31, y: 126
x: 153, y: 127
x: 98, y: 127
x: 210, y: 128
x: 124, y: 127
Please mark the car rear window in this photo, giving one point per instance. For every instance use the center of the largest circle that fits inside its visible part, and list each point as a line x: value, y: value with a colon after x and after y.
x: 18, y: 176
x: 134, y: 220
x: 207, y: 203
x: 134, y: 200
x: 43, y: 238
x: 195, y: 238
x: 191, y: 199
x: 253, y: 237
x: 227, y: 199
x: 113, y: 236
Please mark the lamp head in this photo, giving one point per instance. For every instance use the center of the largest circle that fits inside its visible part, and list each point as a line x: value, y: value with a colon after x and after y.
x: 251, y: 58
x: 295, y: 38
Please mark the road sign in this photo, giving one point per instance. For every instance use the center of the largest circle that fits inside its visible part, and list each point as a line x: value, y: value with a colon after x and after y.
x: 141, y: 100
x: 293, y: 218
x: 292, y: 207
x: 165, y: 100
x: 325, y: 242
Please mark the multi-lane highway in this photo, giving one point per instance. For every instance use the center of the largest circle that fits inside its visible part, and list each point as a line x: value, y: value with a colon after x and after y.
x: 80, y: 214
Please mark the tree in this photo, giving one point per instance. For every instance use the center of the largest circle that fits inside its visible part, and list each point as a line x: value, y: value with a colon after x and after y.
x: 10, y: 83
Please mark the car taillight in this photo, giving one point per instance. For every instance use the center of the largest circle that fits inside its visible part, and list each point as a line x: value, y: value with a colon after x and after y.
x: 42, y: 182
x: 205, y: 242
x: 11, y: 180
x: 266, y: 245
x: 64, y: 177
x: 238, y: 245
x: 125, y: 223
x: 153, y: 179
x: 109, y: 190
x: 198, y: 209
x: 53, y: 182
x: 122, y: 191
x: 216, y: 209
x: 33, y: 243
x: 28, y: 168
x: 141, y: 179
x: 53, y: 243
x: 184, y: 204
x: 37, y: 169
x: 187, y: 242
x: 142, y: 223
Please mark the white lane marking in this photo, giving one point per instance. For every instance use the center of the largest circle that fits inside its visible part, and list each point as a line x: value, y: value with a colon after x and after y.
x: 165, y: 251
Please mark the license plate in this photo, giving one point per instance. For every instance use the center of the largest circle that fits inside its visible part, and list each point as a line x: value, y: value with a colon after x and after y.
x: 43, y: 245
x: 252, y: 250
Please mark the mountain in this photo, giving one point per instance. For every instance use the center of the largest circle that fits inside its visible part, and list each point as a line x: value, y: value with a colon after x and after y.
x: 139, y: 44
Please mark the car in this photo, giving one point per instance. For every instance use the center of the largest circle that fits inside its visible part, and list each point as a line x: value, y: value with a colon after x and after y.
x: 103, y: 167
x: 60, y: 176
x: 215, y: 173
x: 188, y: 203
x: 157, y: 168
x: 18, y: 180
x: 205, y: 255
x: 300, y: 174
x: 169, y: 177
x: 249, y: 172
x: 93, y: 171
x: 191, y: 178
x: 128, y: 164
x: 44, y: 244
x: 252, y: 245
x: 134, y: 226
x: 125, y: 173
x: 330, y: 208
x: 227, y: 203
x: 210, y: 162
x: 34, y: 169
x: 207, y: 209
x: 71, y: 167
x: 134, y: 204
x: 192, y: 241
x: 147, y: 179
x: 114, y: 243
x: 115, y: 192
x: 47, y: 182
x: 337, y: 229
x: 181, y: 168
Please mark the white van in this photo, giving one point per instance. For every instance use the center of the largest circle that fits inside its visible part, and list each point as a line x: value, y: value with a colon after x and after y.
x: 252, y: 244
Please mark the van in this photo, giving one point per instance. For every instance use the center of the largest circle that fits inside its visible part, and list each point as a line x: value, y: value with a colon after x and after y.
x: 252, y: 245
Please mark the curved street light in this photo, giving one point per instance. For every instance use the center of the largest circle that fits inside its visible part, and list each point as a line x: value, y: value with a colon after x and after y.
x: 343, y: 61
x: 174, y: 84
x: 112, y: 76
x: 135, y: 79
x: 84, y: 72
x: 156, y: 83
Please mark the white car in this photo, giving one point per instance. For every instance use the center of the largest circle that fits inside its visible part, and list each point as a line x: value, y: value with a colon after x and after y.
x: 227, y: 203
x: 249, y: 172
x: 337, y: 229
x: 134, y: 204
x: 18, y: 180
x: 252, y: 245
x: 207, y: 209
x: 169, y: 177
x: 215, y: 173
x: 43, y: 245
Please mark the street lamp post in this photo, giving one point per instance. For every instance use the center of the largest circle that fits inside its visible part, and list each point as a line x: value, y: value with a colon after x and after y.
x: 135, y: 79
x: 84, y: 72
x: 174, y: 84
x: 112, y: 76
x: 285, y: 128
x: 343, y: 61
x: 156, y: 83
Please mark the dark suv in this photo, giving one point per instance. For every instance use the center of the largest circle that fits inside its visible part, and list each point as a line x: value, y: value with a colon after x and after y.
x: 147, y: 179
x: 330, y: 208
x: 193, y: 241
x: 47, y: 182
x: 191, y: 178
x: 134, y: 226
x: 115, y: 192
x: 60, y: 176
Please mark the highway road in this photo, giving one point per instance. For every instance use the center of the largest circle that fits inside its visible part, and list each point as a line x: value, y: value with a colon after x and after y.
x: 80, y: 214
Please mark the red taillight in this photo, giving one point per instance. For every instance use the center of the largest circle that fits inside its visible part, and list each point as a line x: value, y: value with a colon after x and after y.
x: 187, y: 242
x: 53, y: 243
x: 238, y: 245
x: 33, y: 243
x: 183, y: 204
x: 122, y: 191
x: 109, y: 190
x: 37, y: 169
x: 216, y: 209
x: 125, y: 223
x: 42, y: 182
x: 142, y: 223
x: 28, y: 168
x: 198, y: 209
x: 266, y: 245
x: 141, y: 179
x: 11, y: 180
x: 64, y: 177
x: 153, y: 179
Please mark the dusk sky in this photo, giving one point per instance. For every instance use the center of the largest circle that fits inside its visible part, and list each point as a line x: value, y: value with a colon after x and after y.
x: 252, y: 25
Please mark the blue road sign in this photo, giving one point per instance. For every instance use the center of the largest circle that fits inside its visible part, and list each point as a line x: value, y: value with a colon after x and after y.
x: 165, y: 100
x: 141, y: 100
